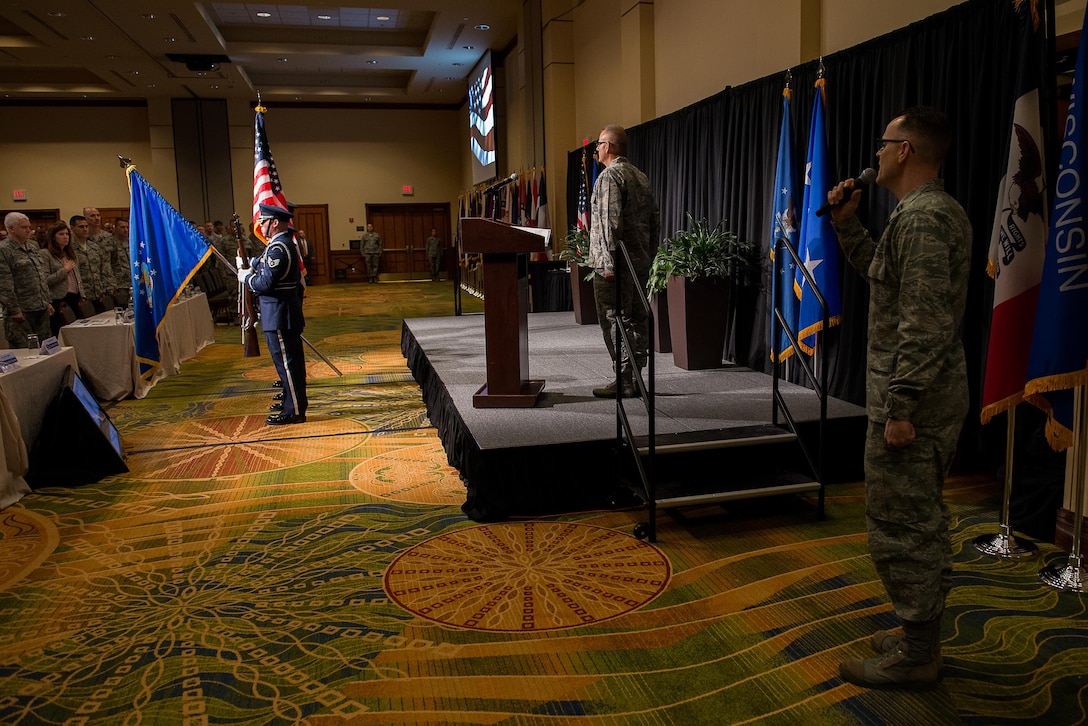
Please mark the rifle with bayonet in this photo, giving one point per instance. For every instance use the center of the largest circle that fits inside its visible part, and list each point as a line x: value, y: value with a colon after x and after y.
x: 247, y: 309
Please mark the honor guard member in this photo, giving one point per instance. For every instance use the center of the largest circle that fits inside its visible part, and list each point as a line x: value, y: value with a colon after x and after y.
x: 276, y: 279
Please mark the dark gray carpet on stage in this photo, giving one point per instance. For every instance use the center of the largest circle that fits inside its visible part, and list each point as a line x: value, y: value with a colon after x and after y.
x: 572, y: 360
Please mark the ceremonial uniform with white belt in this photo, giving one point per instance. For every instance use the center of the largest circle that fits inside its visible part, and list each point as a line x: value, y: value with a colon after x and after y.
x: 276, y: 279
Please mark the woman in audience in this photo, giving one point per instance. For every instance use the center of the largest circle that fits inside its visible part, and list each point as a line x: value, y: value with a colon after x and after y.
x: 65, y: 286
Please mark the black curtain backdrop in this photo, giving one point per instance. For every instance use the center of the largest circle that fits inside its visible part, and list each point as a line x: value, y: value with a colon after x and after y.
x: 716, y: 160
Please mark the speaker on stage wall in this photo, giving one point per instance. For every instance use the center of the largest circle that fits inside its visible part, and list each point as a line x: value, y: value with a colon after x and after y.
x: 78, y: 443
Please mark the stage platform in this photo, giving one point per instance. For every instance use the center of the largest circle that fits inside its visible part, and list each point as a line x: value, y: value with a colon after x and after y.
x: 557, y: 456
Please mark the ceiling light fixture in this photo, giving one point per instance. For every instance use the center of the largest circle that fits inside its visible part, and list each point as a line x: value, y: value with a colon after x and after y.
x: 382, y: 18
x: 282, y: 60
x: 169, y: 40
x: 483, y: 26
x: 148, y: 16
x: 56, y: 14
x: 372, y: 62
x: 264, y: 15
x: 86, y: 37
x: 324, y: 17
x: 468, y: 47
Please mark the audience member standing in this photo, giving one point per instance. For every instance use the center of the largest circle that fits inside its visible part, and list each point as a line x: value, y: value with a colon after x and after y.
x: 106, y: 244
x: 122, y: 271
x: 24, y: 292
x: 434, y: 253
x: 88, y: 258
x: 372, y: 251
x: 62, y: 273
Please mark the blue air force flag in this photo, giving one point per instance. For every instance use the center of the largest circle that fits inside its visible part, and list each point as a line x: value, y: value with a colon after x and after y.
x: 784, y: 225
x: 165, y: 250
x: 819, y: 250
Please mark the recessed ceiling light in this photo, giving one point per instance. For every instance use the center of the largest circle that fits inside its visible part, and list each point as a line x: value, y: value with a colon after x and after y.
x: 148, y: 16
x: 56, y: 14
x: 324, y: 17
x: 264, y: 15
x: 171, y: 39
x: 298, y: 98
x: 372, y: 62
x: 86, y: 37
x: 382, y: 18
x: 468, y: 47
x: 483, y: 26
x: 283, y: 60
x: 134, y: 73
x: 112, y: 57
x: 150, y: 85
x: 215, y: 86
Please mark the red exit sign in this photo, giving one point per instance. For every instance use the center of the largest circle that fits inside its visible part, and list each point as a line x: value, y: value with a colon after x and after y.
x: 407, y: 190
x: 18, y: 195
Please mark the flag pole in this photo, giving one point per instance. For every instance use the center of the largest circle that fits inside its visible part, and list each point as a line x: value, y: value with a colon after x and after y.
x: 1005, y: 544
x: 1071, y: 575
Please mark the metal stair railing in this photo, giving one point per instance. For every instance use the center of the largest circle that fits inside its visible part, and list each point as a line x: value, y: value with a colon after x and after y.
x: 625, y: 438
x: 819, y: 381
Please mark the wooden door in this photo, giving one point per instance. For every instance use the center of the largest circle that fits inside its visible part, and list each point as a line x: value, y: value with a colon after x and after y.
x: 313, y: 219
x: 404, y: 229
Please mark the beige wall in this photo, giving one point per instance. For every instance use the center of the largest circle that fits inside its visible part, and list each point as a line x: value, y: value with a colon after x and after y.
x: 66, y: 157
x: 347, y: 158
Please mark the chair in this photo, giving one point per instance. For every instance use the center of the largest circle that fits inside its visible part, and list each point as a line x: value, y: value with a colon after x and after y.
x: 108, y: 303
x: 86, y: 309
x: 67, y: 315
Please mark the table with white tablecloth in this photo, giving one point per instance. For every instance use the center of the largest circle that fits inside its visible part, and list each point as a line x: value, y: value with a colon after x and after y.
x: 25, y: 395
x: 106, y: 350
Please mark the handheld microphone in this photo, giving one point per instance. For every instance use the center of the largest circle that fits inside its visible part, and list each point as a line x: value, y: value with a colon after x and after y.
x: 868, y: 176
x: 499, y: 184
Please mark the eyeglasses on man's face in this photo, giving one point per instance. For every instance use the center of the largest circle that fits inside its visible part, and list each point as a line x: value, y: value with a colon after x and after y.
x: 601, y: 142
x: 881, y: 143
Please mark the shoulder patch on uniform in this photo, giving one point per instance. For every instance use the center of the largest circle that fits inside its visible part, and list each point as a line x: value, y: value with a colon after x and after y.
x: 274, y: 262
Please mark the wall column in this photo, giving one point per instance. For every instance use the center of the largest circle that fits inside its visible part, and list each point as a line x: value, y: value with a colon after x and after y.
x: 637, y: 60
x: 557, y: 49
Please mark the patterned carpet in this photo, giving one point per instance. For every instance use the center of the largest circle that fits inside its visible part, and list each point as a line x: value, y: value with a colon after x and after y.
x: 325, y: 574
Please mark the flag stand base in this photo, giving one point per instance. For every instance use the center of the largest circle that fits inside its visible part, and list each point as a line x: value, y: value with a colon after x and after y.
x: 1005, y: 545
x: 1069, y: 577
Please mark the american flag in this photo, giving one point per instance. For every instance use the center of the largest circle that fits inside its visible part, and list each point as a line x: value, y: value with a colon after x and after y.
x: 583, y: 192
x: 266, y: 180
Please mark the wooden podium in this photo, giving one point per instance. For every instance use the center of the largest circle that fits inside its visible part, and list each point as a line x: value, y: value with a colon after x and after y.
x: 506, y: 310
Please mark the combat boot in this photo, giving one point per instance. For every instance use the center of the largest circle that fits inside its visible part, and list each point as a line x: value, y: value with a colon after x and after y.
x: 910, y: 664
x: 609, y: 391
x: 884, y: 641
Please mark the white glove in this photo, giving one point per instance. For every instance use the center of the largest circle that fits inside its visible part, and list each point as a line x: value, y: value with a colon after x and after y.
x: 242, y: 275
x: 238, y: 262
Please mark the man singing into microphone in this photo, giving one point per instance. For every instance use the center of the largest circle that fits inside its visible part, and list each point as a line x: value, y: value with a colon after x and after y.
x: 916, y: 392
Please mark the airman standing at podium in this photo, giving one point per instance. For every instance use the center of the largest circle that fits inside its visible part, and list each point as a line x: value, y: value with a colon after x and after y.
x: 623, y: 211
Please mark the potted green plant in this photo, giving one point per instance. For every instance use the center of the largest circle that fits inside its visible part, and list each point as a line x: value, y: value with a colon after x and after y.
x: 576, y: 253
x: 698, y: 268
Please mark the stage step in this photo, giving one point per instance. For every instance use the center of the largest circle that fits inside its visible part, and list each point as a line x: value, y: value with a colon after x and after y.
x: 757, y: 435
x: 707, y: 467
x: 713, y: 489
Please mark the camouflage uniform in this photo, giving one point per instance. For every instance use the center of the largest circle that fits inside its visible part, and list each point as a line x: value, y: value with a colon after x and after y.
x: 117, y: 253
x: 89, y: 259
x: 372, y: 251
x: 917, y: 275
x: 23, y: 289
x: 623, y: 210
